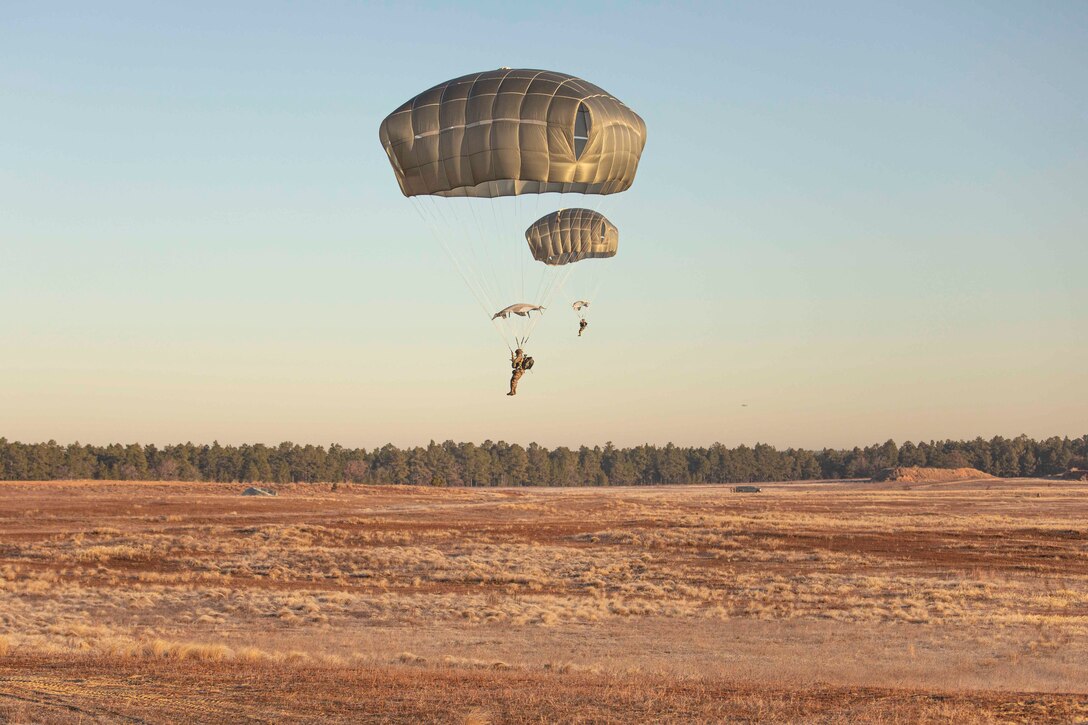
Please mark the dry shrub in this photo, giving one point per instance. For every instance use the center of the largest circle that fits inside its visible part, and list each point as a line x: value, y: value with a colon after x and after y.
x: 477, y: 717
x: 474, y: 664
x: 164, y: 649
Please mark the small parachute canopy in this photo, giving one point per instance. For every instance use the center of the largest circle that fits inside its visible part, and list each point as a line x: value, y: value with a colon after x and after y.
x: 521, y: 309
x: 580, y: 305
x: 571, y: 235
x: 513, y: 131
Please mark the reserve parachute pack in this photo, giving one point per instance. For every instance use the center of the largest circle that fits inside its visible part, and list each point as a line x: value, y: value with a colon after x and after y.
x: 528, y: 364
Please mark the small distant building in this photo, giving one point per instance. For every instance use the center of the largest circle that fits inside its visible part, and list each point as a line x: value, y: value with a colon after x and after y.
x: 746, y: 489
x: 254, y: 491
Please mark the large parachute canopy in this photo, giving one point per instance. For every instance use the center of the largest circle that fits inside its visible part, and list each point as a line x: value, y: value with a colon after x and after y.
x: 571, y: 235
x: 476, y: 154
x: 513, y: 131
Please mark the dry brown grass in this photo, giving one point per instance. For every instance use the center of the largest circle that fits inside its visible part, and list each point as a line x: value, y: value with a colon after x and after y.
x: 942, y: 603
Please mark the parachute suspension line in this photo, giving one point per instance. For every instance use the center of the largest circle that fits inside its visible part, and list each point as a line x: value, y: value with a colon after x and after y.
x: 512, y: 256
x: 596, y: 275
x: 482, y: 301
x: 556, y: 281
x: 454, y: 217
x: 471, y: 242
x: 536, y: 215
x: 470, y: 239
x: 502, y: 256
x: 495, y: 276
x: 478, y: 238
x: 478, y: 294
x: 497, y: 227
x: 505, y: 341
x: 507, y: 218
x: 521, y: 257
x: 462, y: 268
x: 481, y: 249
x: 601, y: 202
x: 499, y: 258
x: 597, y: 285
x: 563, y: 281
x: 547, y: 300
x: 491, y: 238
x: 544, y: 276
x: 513, y: 250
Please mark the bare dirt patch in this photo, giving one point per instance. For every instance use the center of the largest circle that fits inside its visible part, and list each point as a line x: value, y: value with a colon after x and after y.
x: 917, y: 474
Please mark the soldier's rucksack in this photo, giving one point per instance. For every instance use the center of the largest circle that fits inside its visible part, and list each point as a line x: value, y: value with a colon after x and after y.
x: 528, y: 364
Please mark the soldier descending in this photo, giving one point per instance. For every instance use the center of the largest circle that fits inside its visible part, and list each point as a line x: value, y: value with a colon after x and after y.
x: 582, y: 324
x: 519, y: 363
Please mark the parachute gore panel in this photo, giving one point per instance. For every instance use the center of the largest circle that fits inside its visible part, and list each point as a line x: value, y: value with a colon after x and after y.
x: 513, y: 131
x: 571, y: 235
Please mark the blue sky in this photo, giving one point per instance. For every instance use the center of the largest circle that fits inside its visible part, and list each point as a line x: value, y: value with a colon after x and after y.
x: 861, y: 220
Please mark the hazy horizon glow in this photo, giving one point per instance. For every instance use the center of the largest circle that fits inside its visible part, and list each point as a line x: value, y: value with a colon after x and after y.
x: 860, y: 222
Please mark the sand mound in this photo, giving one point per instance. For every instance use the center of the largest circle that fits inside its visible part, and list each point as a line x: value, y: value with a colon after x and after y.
x: 917, y: 474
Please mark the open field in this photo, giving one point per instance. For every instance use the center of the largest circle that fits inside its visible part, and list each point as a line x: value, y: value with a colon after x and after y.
x: 837, y: 602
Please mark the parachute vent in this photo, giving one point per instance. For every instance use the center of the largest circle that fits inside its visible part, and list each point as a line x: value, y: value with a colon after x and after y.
x: 581, y: 130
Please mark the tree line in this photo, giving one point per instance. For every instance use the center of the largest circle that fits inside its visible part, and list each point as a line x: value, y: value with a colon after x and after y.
x: 510, y: 464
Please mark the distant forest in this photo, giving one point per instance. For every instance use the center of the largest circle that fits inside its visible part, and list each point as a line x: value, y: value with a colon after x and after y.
x: 505, y: 464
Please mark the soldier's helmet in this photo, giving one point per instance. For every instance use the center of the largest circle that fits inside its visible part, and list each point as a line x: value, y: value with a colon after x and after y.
x: 518, y: 351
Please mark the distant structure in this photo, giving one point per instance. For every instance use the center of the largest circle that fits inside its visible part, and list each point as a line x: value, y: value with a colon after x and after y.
x: 746, y: 489
x: 254, y: 491
x: 920, y: 474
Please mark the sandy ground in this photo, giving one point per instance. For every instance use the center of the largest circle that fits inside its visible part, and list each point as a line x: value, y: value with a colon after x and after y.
x: 836, y: 602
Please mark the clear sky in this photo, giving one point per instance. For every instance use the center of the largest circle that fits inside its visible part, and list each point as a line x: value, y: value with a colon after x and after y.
x: 860, y: 220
